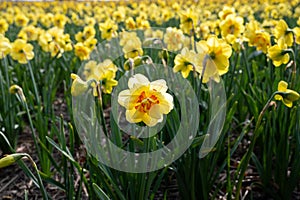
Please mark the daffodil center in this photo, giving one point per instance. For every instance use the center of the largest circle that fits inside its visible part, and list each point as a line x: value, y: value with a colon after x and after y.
x: 212, y: 55
x: 231, y: 29
x: 144, y: 102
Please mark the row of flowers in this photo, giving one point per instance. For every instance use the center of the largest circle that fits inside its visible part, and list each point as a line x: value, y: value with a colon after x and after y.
x: 200, y: 40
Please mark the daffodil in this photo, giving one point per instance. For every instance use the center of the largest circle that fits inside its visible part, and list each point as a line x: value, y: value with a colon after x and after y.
x: 296, y: 31
x: 219, y: 53
x: 142, y: 23
x: 5, y: 46
x: 232, y: 25
x: 186, y: 61
x: 282, y: 32
x: 90, y: 43
x: 257, y: 37
x: 44, y: 41
x: 133, y: 48
x: 278, y: 54
x: 79, y: 36
x: 287, y: 96
x: 59, y: 20
x: 47, y: 19
x: 3, y: 26
x: 227, y: 10
x: 31, y: 32
x: 173, y: 39
x: 104, y: 72
x: 108, y: 29
x: 108, y: 81
x: 130, y: 23
x: 188, y: 19
x: 145, y: 101
x: 132, y: 62
x: 21, y: 20
x: 89, y: 32
x: 81, y: 51
x: 79, y: 86
x: 21, y: 51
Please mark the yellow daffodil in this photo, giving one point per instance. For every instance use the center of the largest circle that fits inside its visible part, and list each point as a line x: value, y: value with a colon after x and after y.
x: 142, y: 23
x: 3, y: 26
x: 130, y: 23
x: 104, y: 72
x: 44, y: 41
x: 108, y: 81
x: 186, y: 61
x: 232, y: 25
x: 59, y: 20
x: 31, y: 32
x: 125, y: 36
x: 296, y: 31
x: 145, y: 101
x: 90, y: 43
x: 188, y: 19
x: 133, y: 48
x: 91, y: 70
x: 81, y: 51
x: 227, y: 10
x: 5, y: 46
x: 287, y: 96
x: 257, y: 37
x: 78, y: 85
x: 21, y: 20
x: 278, y: 53
x: 47, y: 19
x: 21, y: 51
x: 262, y: 41
x: 108, y: 29
x: 150, y: 33
x: 55, y: 49
x: 219, y: 52
x: 89, y: 32
x: 173, y: 39
x: 79, y: 36
x: 66, y: 43
x: 282, y: 32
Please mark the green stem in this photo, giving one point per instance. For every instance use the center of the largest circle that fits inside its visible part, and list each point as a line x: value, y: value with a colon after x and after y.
x: 246, y: 63
x: 294, y: 70
x: 233, y: 70
x: 44, y: 193
x: 34, y: 84
x: 35, y: 137
x: 246, y: 158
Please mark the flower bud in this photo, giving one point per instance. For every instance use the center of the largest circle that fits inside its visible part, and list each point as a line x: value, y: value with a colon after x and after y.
x: 10, y: 159
x: 15, y: 89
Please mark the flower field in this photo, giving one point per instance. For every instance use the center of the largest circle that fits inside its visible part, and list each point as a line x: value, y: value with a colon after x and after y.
x: 137, y: 100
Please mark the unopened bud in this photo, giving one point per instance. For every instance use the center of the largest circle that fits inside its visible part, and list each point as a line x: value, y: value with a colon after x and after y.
x: 10, y: 159
x: 15, y: 89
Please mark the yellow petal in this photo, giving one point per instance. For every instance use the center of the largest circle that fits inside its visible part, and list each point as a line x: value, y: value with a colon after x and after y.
x: 278, y: 97
x: 287, y: 102
x: 292, y: 95
x: 155, y: 112
x: 282, y: 86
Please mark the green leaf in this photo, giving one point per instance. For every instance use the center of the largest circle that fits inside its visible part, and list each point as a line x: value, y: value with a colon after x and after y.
x: 100, y: 193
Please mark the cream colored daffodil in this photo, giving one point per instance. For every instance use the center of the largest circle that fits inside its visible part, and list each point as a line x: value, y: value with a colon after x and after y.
x: 145, y: 101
